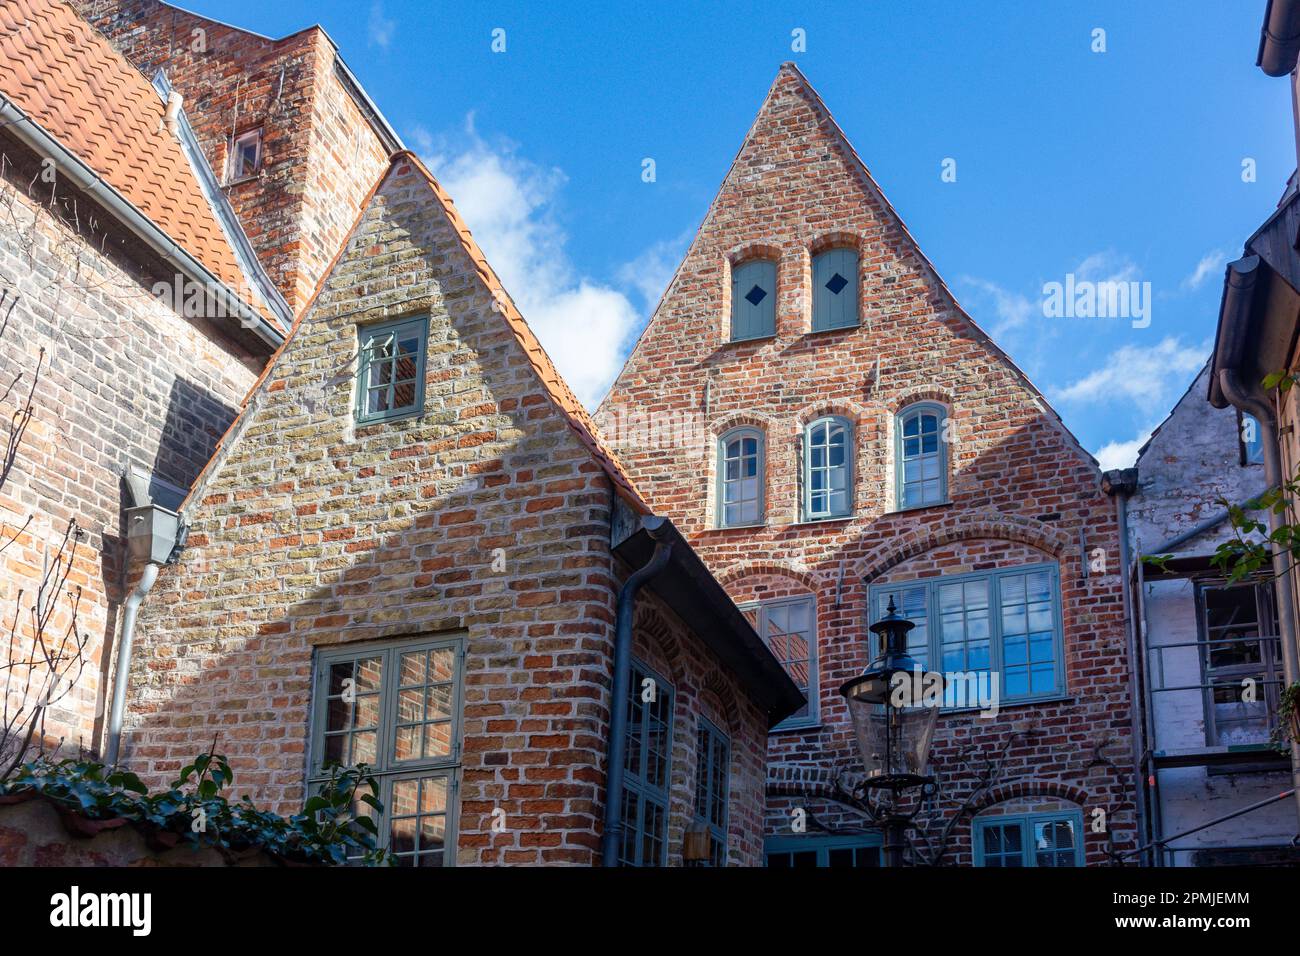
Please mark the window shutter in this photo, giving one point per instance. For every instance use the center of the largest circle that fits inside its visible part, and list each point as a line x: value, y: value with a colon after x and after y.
x: 835, y: 289
x: 753, y: 300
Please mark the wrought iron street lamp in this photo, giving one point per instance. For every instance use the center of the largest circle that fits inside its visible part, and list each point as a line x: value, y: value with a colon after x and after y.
x: 894, y: 706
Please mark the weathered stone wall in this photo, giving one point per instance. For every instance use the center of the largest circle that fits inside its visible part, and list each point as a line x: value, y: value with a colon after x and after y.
x: 1017, y: 478
x: 34, y: 833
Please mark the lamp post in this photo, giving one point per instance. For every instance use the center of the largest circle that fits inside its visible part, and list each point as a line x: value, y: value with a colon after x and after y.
x: 894, y: 707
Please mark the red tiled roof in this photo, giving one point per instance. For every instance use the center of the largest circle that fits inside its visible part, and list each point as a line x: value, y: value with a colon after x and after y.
x: 70, y: 81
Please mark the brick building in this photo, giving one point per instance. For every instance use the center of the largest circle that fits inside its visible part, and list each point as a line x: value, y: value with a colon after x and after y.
x: 829, y: 430
x: 414, y: 506
x: 293, y: 138
x: 104, y: 218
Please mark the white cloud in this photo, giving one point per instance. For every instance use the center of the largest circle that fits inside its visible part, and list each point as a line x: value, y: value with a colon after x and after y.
x: 509, y: 203
x: 1012, y: 309
x: 1121, y: 454
x: 1210, y: 263
x: 650, y: 272
x: 1145, y: 376
x: 1106, y: 266
x: 379, y: 29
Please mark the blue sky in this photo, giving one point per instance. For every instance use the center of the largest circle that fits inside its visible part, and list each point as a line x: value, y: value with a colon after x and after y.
x: 1124, y: 164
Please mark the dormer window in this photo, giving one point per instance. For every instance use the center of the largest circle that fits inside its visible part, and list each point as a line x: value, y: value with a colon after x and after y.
x: 245, y: 156
x: 835, y: 289
x: 753, y: 300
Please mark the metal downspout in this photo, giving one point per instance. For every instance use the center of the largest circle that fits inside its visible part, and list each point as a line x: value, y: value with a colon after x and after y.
x: 1230, y: 385
x: 147, y: 578
x: 612, y: 836
x: 1122, y: 492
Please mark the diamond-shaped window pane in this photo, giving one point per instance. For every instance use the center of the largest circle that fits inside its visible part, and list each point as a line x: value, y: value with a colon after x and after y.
x: 836, y: 283
x: 755, y: 295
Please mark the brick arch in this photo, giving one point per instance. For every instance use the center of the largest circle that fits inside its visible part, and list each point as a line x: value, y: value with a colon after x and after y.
x: 1024, y: 789
x: 731, y: 420
x: 743, y: 569
x: 797, y: 781
x: 753, y: 250
x: 716, y: 687
x: 923, y: 393
x: 859, y: 415
x: 839, y: 239
x: 650, y: 626
x: 962, y: 527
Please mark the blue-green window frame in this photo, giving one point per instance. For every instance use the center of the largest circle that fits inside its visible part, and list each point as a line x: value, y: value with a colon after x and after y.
x: 366, y: 334
x: 386, y: 768
x: 941, y: 451
x: 750, y: 321
x: 823, y: 846
x: 829, y: 421
x: 737, y: 434
x: 1026, y: 823
x: 713, y: 786
x: 825, y: 304
x: 636, y: 787
x: 879, y: 596
x: 760, y: 611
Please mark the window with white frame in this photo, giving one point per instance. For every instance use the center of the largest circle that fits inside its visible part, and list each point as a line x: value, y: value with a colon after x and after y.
x: 1032, y: 839
x: 245, y: 155
x: 789, y: 629
x: 828, y: 469
x: 753, y: 299
x: 646, y: 769
x: 921, y: 454
x: 740, y: 478
x: 835, y: 289
x: 390, y: 369
x: 395, y: 706
x: 712, y: 782
x: 1005, y: 622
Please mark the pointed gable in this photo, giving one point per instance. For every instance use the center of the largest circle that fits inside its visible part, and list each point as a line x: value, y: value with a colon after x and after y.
x: 797, y: 188
x: 434, y: 268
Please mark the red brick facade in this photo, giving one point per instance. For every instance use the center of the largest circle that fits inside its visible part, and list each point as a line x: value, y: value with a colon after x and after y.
x: 1021, y: 489
x: 320, y: 155
x: 485, y: 516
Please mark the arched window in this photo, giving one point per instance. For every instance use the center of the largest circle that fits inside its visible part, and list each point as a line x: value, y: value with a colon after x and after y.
x: 922, y: 456
x: 753, y: 299
x: 827, y: 469
x: 835, y: 289
x: 740, y: 478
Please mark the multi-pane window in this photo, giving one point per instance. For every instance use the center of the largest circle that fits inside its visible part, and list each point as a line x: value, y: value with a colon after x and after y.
x: 788, y: 628
x: 646, y: 758
x: 740, y: 478
x: 1035, y: 839
x: 828, y: 469
x: 245, y: 155
x: 753, y: 299
x: 713, y: 761
x: 396, y: 707
x: 835, y: 289
x: 1241, y: 662
x: 390, y: 372
x: 1005, y: 623
x: 836, y: 853
x: 921, y: 455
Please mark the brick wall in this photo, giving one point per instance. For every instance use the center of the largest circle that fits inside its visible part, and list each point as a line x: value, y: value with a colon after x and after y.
x: 1020, y: 485
x: 123, y: 378
x: 310, y: 530
x: 320, y: 156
